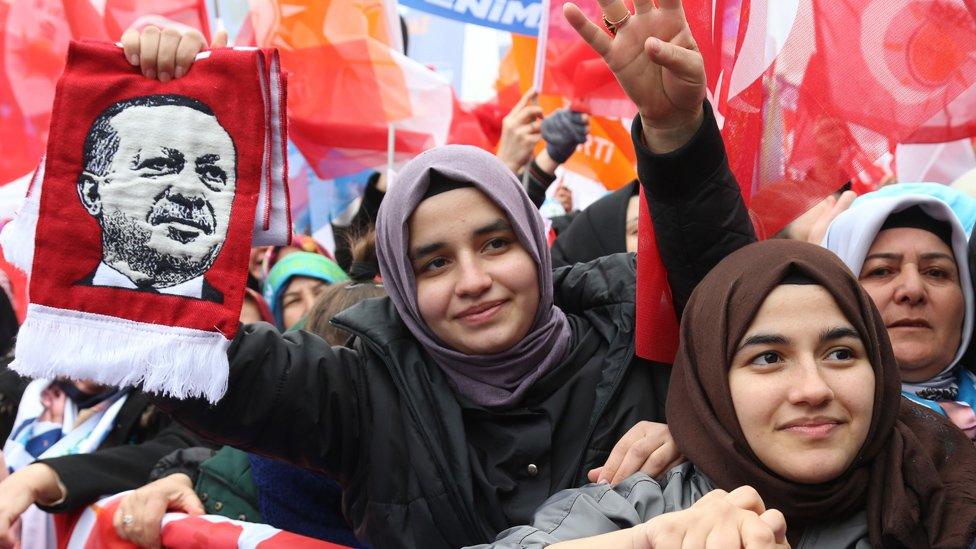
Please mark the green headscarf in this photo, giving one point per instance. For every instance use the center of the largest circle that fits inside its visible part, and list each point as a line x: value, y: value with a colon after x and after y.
x: 295, y: 264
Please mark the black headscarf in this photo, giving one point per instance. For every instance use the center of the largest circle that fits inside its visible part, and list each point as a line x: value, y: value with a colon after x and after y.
x: 599, y: 230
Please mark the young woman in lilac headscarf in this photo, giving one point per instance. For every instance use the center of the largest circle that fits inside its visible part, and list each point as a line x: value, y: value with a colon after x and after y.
x: 481, y: 386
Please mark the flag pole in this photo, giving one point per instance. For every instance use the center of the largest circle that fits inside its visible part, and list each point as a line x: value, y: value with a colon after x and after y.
x: 538, y: 74
x: 539, y: 71
x: 220, y: 23
x: 390, y: 147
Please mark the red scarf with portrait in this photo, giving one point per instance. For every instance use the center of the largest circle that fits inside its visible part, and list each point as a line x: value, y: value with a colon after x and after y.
x: 150, y: 197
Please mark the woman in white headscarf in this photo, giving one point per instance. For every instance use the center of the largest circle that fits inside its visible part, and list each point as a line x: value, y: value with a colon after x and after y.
x: 910, y: 254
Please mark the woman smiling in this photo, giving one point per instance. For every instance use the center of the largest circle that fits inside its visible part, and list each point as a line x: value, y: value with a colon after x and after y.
x: 482, y: 385
x: 785, y: 400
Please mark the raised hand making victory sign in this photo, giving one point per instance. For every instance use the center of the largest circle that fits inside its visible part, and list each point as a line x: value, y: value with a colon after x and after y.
x: 654, y: 57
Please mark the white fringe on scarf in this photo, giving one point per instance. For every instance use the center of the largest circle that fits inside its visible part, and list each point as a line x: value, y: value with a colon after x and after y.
x: 174, y: 361
x: 17, y: 236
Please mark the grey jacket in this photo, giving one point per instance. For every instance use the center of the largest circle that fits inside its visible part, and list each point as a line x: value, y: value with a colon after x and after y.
x: 598, y: 509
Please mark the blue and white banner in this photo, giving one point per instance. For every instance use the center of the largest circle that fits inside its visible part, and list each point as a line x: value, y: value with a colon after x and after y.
x: 518, y: 16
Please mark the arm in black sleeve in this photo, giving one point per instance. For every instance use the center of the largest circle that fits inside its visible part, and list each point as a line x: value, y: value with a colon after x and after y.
x: 184, y: 460
x: 365, y: 217
x: 369, y: 206
x: 289, y: 396
x: 536, y: 181
x: 12, y: 387
x: 88, y: 477
x: 697, y: 209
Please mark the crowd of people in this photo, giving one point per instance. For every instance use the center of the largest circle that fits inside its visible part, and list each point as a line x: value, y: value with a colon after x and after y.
x: 449, y: 378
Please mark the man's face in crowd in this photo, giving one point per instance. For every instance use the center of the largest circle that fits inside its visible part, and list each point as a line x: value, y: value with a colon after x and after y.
x: 166, y: 200
x: 633, y: 213
x: 565, y: 197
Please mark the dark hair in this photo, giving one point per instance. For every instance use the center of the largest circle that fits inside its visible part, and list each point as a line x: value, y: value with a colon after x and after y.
x: 339, y: 297
x: 917, y: 218
x: 102, y: 140
x: 8, y: 324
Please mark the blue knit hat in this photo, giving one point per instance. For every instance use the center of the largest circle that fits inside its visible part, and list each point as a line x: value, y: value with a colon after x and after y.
x: 295, y: 264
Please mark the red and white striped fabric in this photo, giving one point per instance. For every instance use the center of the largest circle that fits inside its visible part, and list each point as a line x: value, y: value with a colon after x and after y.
x: 92, y: 529
x: 272, y: 219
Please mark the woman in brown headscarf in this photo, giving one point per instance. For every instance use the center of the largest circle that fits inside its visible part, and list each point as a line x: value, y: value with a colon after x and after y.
x: 785, y: 382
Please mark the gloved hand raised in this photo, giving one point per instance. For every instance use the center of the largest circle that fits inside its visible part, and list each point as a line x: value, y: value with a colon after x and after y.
x: 563, y: 131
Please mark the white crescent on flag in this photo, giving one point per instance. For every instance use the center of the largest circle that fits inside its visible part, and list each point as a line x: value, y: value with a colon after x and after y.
x: 901, y: 57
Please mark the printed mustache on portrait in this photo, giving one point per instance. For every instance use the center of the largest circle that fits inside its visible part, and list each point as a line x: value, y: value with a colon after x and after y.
x: 167, y: 211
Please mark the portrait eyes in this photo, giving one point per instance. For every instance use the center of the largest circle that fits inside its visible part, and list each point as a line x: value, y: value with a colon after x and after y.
x: 172, y: 162
x: 159, y: 166
x: 213, y: 176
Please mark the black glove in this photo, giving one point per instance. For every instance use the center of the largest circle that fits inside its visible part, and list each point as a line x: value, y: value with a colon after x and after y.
x: 562, y: 131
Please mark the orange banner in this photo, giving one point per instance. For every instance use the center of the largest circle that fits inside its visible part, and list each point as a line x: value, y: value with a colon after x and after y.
x: 608, y: 154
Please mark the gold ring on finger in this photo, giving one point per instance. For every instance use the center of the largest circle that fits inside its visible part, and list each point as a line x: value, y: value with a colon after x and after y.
x: 614, y: 26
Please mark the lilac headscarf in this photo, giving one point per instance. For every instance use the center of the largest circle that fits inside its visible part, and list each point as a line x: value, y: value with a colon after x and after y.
x: 497, y: 380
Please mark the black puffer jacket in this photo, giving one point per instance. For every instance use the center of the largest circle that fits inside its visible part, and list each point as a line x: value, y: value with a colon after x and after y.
x: 599, y: 230
x: 382, y: 419
x: 698, y: 212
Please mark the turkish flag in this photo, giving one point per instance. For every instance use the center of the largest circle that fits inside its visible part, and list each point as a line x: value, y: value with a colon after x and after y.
x: 811, y: 94
x: 92, y: 528
x: 911, y: 59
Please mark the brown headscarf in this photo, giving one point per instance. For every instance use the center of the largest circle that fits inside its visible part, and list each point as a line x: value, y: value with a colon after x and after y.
x: 915, y: 474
